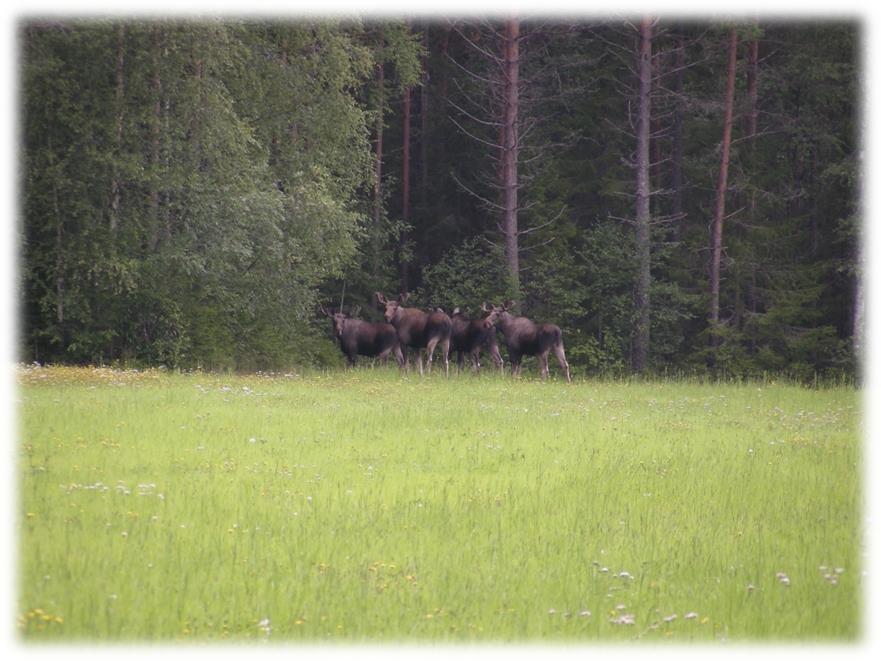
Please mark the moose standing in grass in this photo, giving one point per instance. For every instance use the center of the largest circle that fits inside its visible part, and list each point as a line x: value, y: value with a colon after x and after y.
x: 473, y: 335
x: 524, y: 337
x: 418, y: 329
x: 364, y: 338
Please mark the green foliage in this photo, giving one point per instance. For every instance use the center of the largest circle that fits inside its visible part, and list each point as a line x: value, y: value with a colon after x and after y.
x: 465, y: 277
x: 191, y: 190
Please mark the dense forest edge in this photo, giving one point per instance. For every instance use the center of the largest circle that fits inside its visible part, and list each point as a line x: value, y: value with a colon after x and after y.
x: 680, y: 198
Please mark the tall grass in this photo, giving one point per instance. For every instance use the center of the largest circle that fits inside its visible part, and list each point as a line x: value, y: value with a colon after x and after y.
x: 366, y: 506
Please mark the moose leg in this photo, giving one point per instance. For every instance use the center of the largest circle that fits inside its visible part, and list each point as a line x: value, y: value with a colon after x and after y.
x: 543, y: 364
x: 419, y: 360
x: 561, y: 358
x: 460, y: 357
x: 475, y: 359
x: 497, y: 358
x: 515, y: 363
x: 429, y: 349
x: 399, y: 356
x: 445, y: 349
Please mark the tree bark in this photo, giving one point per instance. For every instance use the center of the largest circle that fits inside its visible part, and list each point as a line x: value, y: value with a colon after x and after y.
x: 639, y: 355
x: 752, y: 94
x: 155, y: 137
x: 676, y: 182
x: 405, y: 191
x: 858, y: 321
x: 510, y: 149
x: 377, y: 167
x: 423, y: 120
x: 120, y: 109
x: 719, y: 217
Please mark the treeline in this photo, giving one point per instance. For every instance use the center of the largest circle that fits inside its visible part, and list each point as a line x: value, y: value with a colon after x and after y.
x: 191, y: 191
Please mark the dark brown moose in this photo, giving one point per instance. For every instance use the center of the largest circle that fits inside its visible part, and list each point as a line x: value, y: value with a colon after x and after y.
x: 524, y: 337
x: 418, y: 329
x: 364, y: 338
x: 472, y: 335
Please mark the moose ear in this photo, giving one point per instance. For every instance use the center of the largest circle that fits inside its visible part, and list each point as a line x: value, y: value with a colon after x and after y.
x: 485, y: 307
x: 456, y: 310
x: 509, y: 304
x: 354, y: 311
x: 323, y: 311
x: 403, y: 297
x: 380, y: 299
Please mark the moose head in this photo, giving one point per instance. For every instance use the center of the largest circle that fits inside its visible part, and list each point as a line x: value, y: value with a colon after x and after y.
x: 391, y: 307
x: 338, y: 319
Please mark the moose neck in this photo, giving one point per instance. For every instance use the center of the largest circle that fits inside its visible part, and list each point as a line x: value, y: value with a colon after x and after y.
x: 503, y: 321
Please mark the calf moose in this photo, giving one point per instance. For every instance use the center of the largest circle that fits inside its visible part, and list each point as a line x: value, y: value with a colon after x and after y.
x: 524, y: 337
x: 471, y: 335
x: 418, y: 329
x: 364, y: 338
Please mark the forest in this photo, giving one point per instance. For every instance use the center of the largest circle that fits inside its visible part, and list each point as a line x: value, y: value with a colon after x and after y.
x: 679, y: 197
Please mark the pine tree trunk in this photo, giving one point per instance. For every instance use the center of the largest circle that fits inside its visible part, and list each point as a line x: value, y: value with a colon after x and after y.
x: 643, y: 198
x: 155, y: 137
x: 120, y: 108
x: 676, y: 182
x: 858, y: 321
x: 405, y: 191
x: 510, y: 150
x: 752, y: 93
x: 423, y: 119
x: 377, y: 168
x: 719, y: 217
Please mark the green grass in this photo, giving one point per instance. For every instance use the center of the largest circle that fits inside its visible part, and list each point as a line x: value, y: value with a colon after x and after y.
x: 363, y: 506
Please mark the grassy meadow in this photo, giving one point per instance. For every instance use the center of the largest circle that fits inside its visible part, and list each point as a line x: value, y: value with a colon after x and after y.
x: 363, y: 506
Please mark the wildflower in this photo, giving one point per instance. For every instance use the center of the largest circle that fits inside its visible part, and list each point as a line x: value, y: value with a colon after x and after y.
x: 584, y: 613
x: 670, y: 618
x: 690, y: 615
x: 624, y: 618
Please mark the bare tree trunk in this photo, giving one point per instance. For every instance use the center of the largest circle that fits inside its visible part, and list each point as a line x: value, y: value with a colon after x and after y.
x: 155, y: 135
x: 120, y: 108
x: 719, y: 217
x: 643, y: 198
x: 676, y: 182
x: 510, y: 149
x: 752, y: 94
x: 423, y: 120
x: 377, y: 166
x: 405, y: 191
x: 858, y: 321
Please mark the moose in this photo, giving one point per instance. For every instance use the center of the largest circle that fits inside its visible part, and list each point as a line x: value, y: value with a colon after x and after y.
x: 524, y: 337
x: 418, y: 329
x: 471, y: 335
x: 364, y: 338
